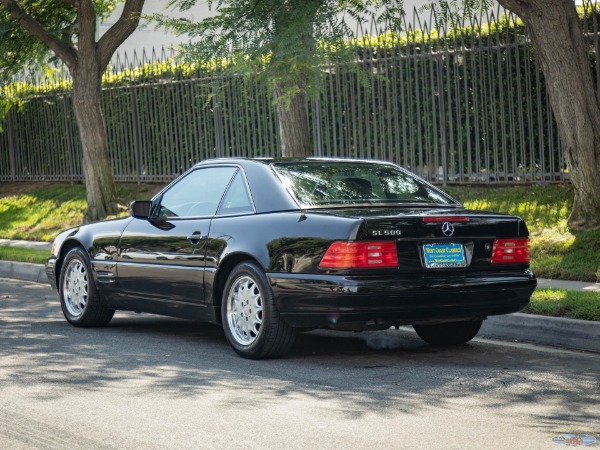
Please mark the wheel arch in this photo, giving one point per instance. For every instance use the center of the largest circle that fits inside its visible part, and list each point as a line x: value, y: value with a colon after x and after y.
x: 225, y: 268
x: 66, y: 247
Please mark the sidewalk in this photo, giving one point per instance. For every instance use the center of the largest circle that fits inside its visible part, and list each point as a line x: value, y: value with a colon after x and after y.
x: 551, y: 331
x: 26, y: 244
x: 568, y: 285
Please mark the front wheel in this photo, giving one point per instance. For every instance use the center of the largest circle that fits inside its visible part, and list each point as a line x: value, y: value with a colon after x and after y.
x: 251, y: 322
x: 449, y: 333
x: 79, y: 298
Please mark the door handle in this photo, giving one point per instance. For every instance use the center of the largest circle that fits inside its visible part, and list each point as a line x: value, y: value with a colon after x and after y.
x: 196, y: 237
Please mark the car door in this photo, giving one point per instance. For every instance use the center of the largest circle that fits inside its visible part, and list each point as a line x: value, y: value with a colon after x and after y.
x: 162, y: 259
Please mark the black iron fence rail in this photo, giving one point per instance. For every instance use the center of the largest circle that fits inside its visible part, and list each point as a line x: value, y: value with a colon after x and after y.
x: 460, y: 110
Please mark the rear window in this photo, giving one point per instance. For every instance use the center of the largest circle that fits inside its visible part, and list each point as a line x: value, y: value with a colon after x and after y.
x: 318, y: 183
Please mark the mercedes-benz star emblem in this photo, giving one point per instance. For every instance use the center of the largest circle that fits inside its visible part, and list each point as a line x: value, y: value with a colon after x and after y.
x: 447, y: 229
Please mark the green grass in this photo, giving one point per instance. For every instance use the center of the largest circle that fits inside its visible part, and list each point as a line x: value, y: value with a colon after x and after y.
x: 38, y: 211
x: 556, y: 252
x: 561, y: 303
x: 543, y: 206
x: 23, y: 254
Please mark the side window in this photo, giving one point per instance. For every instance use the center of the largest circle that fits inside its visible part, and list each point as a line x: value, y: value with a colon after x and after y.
x: 197, y: 194
x: 237, y: 200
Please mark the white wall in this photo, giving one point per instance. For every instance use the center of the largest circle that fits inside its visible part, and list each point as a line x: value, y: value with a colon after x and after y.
x: 147, y: 37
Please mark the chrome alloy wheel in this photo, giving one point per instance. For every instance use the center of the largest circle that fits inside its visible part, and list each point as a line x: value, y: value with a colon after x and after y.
x: 244, y: 310
x: 75, y: 288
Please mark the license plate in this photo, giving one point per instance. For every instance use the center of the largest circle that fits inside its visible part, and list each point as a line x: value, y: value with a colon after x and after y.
x: 444, y: 255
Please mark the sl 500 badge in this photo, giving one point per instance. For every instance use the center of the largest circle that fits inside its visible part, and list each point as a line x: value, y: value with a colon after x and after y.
x: 386, y: 232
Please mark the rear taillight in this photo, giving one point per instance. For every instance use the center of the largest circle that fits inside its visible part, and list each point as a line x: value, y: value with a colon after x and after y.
x: 507, y: 251
x: 360, y: 255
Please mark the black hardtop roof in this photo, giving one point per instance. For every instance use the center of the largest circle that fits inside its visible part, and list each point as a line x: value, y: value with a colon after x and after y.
x: 271, y: 160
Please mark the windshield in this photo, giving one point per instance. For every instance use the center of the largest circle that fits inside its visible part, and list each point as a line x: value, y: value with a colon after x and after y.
x: 317, y: 183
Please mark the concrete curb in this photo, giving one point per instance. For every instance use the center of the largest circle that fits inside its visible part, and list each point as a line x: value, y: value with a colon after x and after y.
x: 23, y: 271
x: 552, y: 331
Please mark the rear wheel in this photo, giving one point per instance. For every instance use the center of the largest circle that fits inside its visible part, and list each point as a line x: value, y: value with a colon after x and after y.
x: 449, y: 333
x: 79, y: 298
x: 251, y: 321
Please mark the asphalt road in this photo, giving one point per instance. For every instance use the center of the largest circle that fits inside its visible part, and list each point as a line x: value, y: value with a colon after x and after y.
x: 152, y: 382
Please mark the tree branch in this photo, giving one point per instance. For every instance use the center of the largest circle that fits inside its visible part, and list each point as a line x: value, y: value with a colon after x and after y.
x: 86, y: 19
x: 68, y: 31
x: 65, y: 52
x: 516, y: 6
x: 121, y: 30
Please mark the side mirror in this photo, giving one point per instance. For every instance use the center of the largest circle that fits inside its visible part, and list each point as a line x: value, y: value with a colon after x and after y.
x: 140, y: 209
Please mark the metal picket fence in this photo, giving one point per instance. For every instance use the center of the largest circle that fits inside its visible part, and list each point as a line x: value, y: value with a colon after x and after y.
x: 459, y: 107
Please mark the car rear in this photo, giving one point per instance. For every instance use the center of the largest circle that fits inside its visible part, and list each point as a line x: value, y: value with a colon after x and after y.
x: 418, y: 256
x: 405, y: 270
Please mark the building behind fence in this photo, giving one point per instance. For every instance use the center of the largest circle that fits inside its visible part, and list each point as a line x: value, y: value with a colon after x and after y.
x: 462, y: 107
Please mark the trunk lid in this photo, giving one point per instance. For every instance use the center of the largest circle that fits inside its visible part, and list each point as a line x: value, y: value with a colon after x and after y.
x: 433, y: 239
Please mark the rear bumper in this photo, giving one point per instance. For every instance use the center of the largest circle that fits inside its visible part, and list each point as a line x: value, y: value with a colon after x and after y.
x: 330, y: 300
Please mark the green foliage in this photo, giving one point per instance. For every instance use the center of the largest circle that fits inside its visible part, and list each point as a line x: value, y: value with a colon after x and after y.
x: 39, y: 211
x: 18, y: 48
x: 286, y: 42
x: 203, y: 58
x: 555, y: 251
x: 57, y: 80
x: 243, y: 48
x: 486, y: 97
x: 241, y: 105
x: 567, y: 256
x: 36, y: 215
x: 454, y: 12
x: 23, y: 254
x: 562, y: 303
x: 21, y: 51
x: 541, y: 206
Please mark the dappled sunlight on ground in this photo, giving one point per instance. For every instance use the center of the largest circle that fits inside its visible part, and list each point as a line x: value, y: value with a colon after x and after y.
x: 369, y: 373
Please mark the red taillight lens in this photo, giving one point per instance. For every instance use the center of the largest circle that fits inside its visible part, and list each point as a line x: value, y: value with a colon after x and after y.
x: 507, y: 251
x: 437, y: 219
x: 360, y: 255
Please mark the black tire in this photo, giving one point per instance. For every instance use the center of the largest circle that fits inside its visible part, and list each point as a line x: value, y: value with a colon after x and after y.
x: 449, y: 333
x: 79, y: 297
x: 252, y: 324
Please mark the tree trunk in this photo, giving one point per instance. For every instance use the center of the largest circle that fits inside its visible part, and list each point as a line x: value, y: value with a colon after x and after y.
x: 292, y: 116
x: 562, y: 51
x: 292, y: 59
x: 86, y: 64
x: 97, y: 170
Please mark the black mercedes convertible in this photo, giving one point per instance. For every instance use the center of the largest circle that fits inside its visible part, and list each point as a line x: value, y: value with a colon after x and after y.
x: 267, y: 247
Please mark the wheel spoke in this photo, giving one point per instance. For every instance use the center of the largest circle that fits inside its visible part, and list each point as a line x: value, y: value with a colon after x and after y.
x: 75, y: 288
x: 244, y: 310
